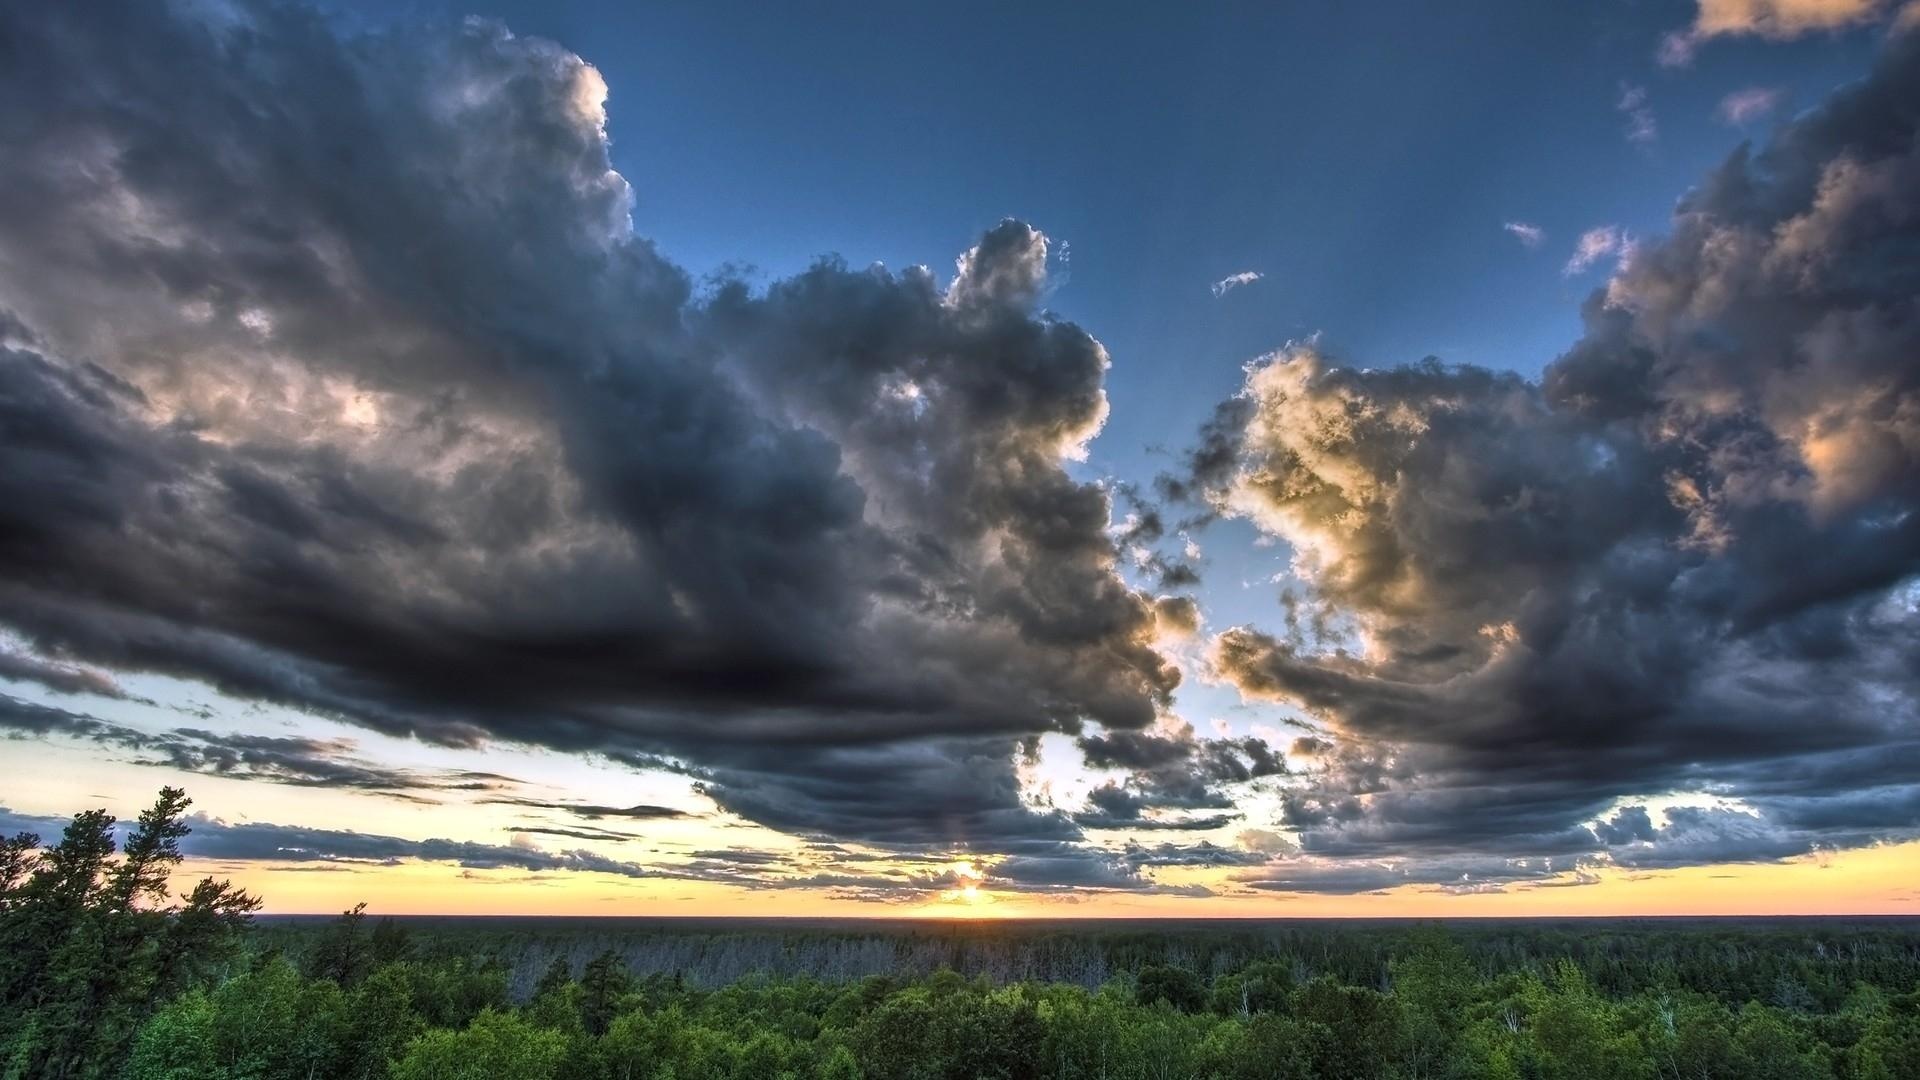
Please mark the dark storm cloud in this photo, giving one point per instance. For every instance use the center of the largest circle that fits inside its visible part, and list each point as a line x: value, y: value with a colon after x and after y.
x: 1628, y: 825
x: 1171, y: 768
x: 336, y: 377
x: 1073, y: 871
x: 1684, y: 560
x: 1693, y: 835
x: 23, y: 719
x: 60, y: 678
x: 1116, y: 806
x: 944, y: 796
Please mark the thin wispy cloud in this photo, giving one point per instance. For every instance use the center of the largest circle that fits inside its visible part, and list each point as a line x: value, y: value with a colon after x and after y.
x: 1233, y: 281
x: 1642, y: 126
x: 1743, y: 107
x: 1531, y: 236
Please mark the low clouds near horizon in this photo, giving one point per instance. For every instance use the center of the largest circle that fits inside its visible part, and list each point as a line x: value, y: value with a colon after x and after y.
x: 374, y: 404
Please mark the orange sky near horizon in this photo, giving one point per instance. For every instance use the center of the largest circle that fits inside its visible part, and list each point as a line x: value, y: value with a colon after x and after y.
x: 1869, y: 881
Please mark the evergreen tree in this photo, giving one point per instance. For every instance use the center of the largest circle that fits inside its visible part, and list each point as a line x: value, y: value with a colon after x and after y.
x: 601, y: 987
x: 343, y: 953
x: 90, y: 946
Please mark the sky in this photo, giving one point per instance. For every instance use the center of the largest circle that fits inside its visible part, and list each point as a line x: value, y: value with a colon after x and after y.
x: 1381, y: 459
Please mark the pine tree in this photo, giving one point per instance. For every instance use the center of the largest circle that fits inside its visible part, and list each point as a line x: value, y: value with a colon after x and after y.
x: 601, y: 985
x: 90, y: 945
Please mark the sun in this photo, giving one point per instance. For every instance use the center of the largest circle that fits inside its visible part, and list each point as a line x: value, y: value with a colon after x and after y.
x: 966, y: 878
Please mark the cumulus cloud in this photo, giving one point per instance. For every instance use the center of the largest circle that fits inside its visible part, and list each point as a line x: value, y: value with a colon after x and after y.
x: 374, y: 403
x: 1529, y: 235
x: 1548, y: 596
x: 1777, y: 20
x: 1233, y: 281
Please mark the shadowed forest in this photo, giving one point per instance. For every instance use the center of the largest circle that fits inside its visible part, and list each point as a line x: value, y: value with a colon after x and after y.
x: 105, y: 972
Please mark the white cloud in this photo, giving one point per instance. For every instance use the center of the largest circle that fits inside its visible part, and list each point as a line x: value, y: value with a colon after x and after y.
x: 1529, y: 235
x: 1777, y: 20
x: 1233, y: 281
x: 1742, y: 107
x: 1596, y: 244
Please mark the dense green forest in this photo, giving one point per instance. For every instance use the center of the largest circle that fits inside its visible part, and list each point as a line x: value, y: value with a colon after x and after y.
x: 103, y: 973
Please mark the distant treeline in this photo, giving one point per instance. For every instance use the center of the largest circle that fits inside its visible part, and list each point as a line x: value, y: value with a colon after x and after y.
x: 1807, y: 963
x: 103, y: 974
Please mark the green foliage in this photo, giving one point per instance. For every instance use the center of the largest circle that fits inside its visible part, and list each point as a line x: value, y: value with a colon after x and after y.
x: 949, y: 1033
x: 1574, y: 1034
x: 449, y: 994
x: 1260, y: 987
x: 601, y: 987
x: 1349, y: 1031
x: 1173, y: 986
x: 496, y: 1046
x: 102, y: 974
x: 1267, y: 1046
x: 91, y: 940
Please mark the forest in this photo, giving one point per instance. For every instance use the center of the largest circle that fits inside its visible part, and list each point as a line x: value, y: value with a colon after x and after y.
x: 105, y: 972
